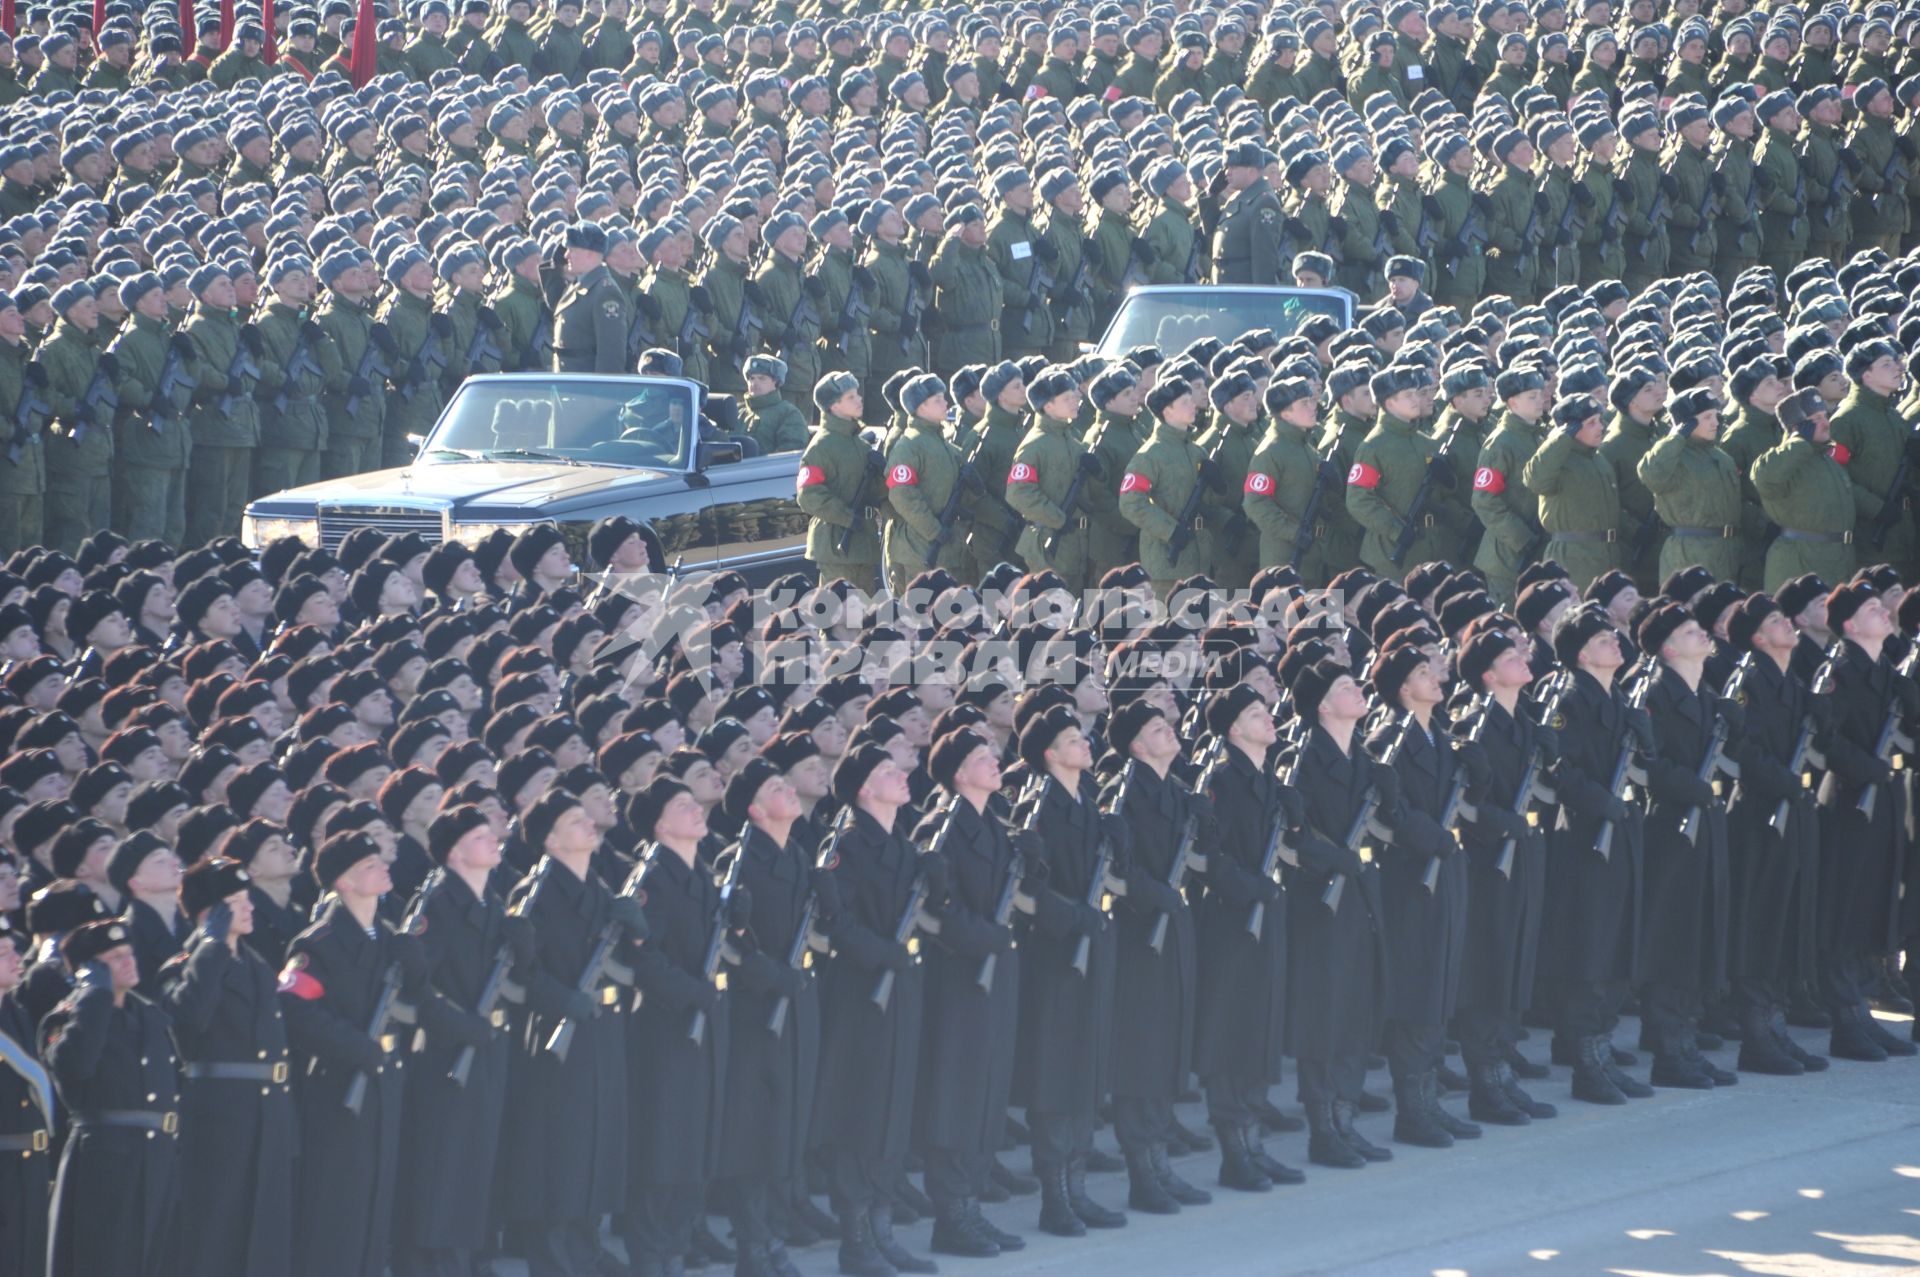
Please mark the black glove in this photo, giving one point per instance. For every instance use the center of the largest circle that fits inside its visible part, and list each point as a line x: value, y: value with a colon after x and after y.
x: 1734, y: 714
x: 93, y: 975
x: 1087, y: 920
x: 581, y: 1006
x: 358, y: 388
x: 1909, y: 693
x: 1824, y: 710
x: 1640, y: 726
x: 630, y: 916
x: 1142, y: 249
x: 791, y: 981
x: 1350, y: 863
x: 1502, y: 823
x: 1046, y: 250
x: 367, y: 1055
x: 1386, y: 783
x: 826, y: 893
x: 1479, y: 766
x: 1292, y: 808
x: 1615, y: 810
x: 1549, y: 742
x: 415, y: 970
x: 1201, y: 808
x: 1118, y: 832
x: 1700, y: 792
x: 519, y: 935
x: 219, y: 922
x: 1177, y: 543
x: 1266, y: 890
x: 898, y: 959
x: 1212, y: 475
x: 740, y: 908
x: 938, y: 873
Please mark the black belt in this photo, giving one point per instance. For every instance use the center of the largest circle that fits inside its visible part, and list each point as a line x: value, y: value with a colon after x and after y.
x: 1723, y: 533
x: 1826, y: 538
x: 276, y: 1073
x: 131, y: 1119
x: 1610, y: 535
x: 36, y: 1142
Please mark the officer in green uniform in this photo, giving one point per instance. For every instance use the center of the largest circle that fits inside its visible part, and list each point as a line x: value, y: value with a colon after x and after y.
x: 1636, y: 396
x: 967, y: 294
x: 1157, y: 484
x: 1579, y: 501
x: 356, y: 404
x: 1696, y: 489
x: 23, y: 478
x: 1119, y: 429
x: 79, y: 452
x: 1048, y: 464
x: 1784, y: 231
x: 422, y: 339
x: 1804, y: 488
x: 1501, y: 501
x: 1247, y: 247
x: 840, y: 485
x: 1390, y: 467
x: 591, y: 323
x: 1282, y: 480
x: 1028, y: 263
x: 152, y: 441
x: 1869, y: 435
x: 225, y: 420
x: 770, y: 417
x: 792, y: 301
x: 922, y: 471
x: 1229, y: 443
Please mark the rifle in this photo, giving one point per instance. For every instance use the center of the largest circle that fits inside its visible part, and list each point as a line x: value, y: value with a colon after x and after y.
x: 100, y: 401
x: 1324, y: 477
x: 1805, y: 758
x: 1184, y: 856
x: 430, y: 360
x: 1088, y: 467
x: 855, y: 308
x: 1623, y: 770
x: 1891, y: 746
x: 1530, y: 236
x: 1709, y: 208
x: 1365, y: 824
x: 1563, y: 232
x: 747, y: 325
x: 1893, y: 178
x: 388, y: 1010
x: 805, y: 938
x: 1426, y: 236
x: 174, y: 378
x: 1471, y: 232
x: 540, y: 346
x: 1441, y: 462
x: 244, y: 370
x: 601, y: 966
x: 640, y: 334
x: 1011, y: 896
x: 968, y: 477
x: 300, y: 363
x: 717, y: 947
x: 914, y: 917
x: 863, y: 496
x: 1656, y: 214
x: 1183, y: 526
x: 483, y: 349
x: 1276, y: 849
x: 1075, y: 292
x: 1453, y: 809
x: 1799, y: 201
x: 919, y: 283
x: 1039, y: 284
x: 693, y: 328
x: 1715, y: 761
x: 1137, y: 262
x: 1893, y: 505
x: 1103, y: 885
x: 1840, y: 189
x: 376, y: 362
x: 804, y: 312
x: 33, y: 403
x: 1530, y: 789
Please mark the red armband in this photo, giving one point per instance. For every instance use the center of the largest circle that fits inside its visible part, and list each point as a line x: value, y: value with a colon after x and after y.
x: 1839, y: 452
x: 1134, y: 481
x: 1487, y: 479
x: 902, y: 476
x: 1258, y: 484
x: 1023, y: 473
x: 1363, y: 476
x: 810, y: 475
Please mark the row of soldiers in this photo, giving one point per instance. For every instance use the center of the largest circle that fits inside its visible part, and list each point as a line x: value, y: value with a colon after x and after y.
x: 429, y: 932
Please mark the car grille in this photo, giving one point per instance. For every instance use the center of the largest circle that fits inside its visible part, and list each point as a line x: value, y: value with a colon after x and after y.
x: 337, y: 521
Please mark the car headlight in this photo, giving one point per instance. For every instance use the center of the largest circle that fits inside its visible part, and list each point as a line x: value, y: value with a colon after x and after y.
x: 258, y: 531
x: 475, y: 533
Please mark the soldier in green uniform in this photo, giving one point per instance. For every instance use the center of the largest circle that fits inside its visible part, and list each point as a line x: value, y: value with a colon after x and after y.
x: 1247, y: 247
x: 1805, y: 490
x: 995, y: 529
x: 1362, y: 265
x: 1742, y: 190
x: 676, y: 311
x: 792, y: 301
x: 1579, y: 502
x: 1229, y: 442
x: 1757, y: 389
x: 356, y: 404
x: 1694, y: 202
x: 847, y: 301
x: 1282, y: 480
x: 1513, y: 219
x: 922, y: 470
x: 594, y: 316
x: 770, y: 417
x: 1638, y: 172
x: 1047, y: 465
x: 152, y: 442
x: 1696, y: 489
x: 1168, y: 248
x: 1869, y: 437
x: 23, y: 479
x: 1157, y: 484
x: 1390, y: 467
x: 1119, y: 429
x: 1784, y: 231
x: 1461, y: 276
x: 1636, y: 396
x: 224, y: 418
x: 1880, y: 201
x: 902, y: 291
x: 1028, y: 264
x: 1501, y: 501
x: 526, y: 327
x: 428, y: 51
x: 1828, y: 166
x: 293, y: 427
x: 1071, y: 263
x: 79, y: 452
x: 966, y: 295
x: 421, y: 340
x: 839, y: 486
x: 1350, y: 391
x: 733, y: 301
x: 1110, y: 245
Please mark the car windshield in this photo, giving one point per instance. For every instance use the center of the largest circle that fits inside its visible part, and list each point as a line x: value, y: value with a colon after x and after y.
x: 1174, y: 320
x: 628, y: 423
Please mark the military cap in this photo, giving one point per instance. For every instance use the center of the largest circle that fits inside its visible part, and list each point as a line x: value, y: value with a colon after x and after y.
x: 1047, y: 386
x: 919, y: 390
x: 1686, y: 408
x: 587, y: 236
x: 1575, y: 411
x: 832, y: 388
x: 71, y: 295
x: 767, y: 366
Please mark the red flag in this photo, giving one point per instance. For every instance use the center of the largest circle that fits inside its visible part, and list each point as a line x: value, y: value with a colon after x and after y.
x: 186, y: 27
x: 366, y: 44
x: 99, y: 20
x: 226, y: 24
x: 271, y: 53
x: 7, y: 18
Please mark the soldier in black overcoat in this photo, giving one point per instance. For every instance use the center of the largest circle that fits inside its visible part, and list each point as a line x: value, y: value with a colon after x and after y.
x: 1683, y: 921
x: 337, y: 972
x: 1499, y: 742
x: 773, y: 1056
x: 967, y: 1042
x: 1335, y: 960
x: 677, y: 1039
x: 116, y: 1197
x: 1591, y: 925
x: 451, y: 1139
x: 870, y: 1044
x: 238, y: 1131
x: 1863, y: 854
x: 1775, y: 856
x: 1240, y: 1020
x: 26, y: 1120
x: 1423, y: 888
x: 1062, y: 1051
x: 1153, y: 1040
x: 563, y: 1156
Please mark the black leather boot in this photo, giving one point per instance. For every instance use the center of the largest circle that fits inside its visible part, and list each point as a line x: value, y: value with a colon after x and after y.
x: 1538, y: 1110
x: 1617, y: 1062
x: 1325, y: 1145
x: 1145, y: 1191
x: 881, y: 1217
x: 1804, y: 1010
x: 859, y: 1256
x: 1006, y: 1241
x: 1091, y: 1213
x: 1760, y: 1050
x: 1889, y: 1042
x: 1178, y: 1189
x: 707, y: 1247
x: 1777, y: 1025
x: 1459, y: 1128
x: 1056, y: 1212
x: 1274, y: 1120
x: 1188, y: 1140
x: 753, y: 1260
x: 1278, y: 1172
x: 1413, y: 1120
x: 1852, y: 1040
x: 1343, y: 1122
x: 1487, y: 1100
x: 1522, y: 1066
x: 1236, y: 1164
x: 954, y: 1232
x: 1593, y: 1076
